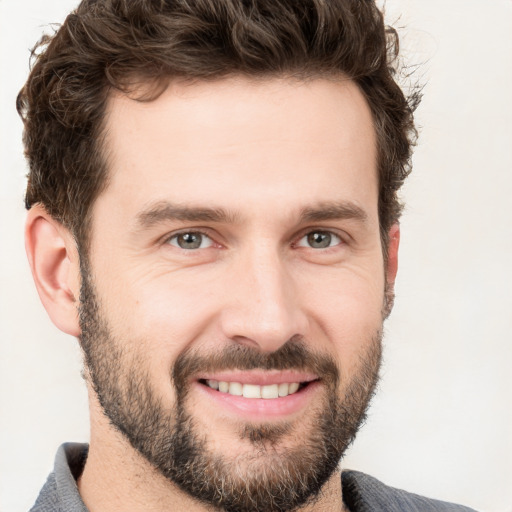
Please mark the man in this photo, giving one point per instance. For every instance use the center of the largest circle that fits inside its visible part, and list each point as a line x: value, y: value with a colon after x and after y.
x: 213, y: 214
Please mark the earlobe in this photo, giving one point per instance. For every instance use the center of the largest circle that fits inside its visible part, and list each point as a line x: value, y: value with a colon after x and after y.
x: 54, y: 262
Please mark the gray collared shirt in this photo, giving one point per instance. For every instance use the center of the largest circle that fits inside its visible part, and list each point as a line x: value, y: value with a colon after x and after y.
x: 361, y: 493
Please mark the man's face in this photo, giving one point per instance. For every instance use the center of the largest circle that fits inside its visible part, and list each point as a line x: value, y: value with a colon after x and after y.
x: 236, y: 251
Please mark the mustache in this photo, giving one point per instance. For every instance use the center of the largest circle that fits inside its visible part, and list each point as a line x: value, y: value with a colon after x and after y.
x: 295, y: 354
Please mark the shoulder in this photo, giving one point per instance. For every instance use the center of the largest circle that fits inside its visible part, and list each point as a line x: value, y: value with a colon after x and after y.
x: 363, y: 493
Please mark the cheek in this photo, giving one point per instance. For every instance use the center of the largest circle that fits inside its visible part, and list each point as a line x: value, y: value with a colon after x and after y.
x: 155, y: 315
x: 166, y: 312
x: 346, y: 312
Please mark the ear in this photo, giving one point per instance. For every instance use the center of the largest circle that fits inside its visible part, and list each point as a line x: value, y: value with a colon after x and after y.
x: 392, y: 261
x: 53, y: 259
x: 391, y: 268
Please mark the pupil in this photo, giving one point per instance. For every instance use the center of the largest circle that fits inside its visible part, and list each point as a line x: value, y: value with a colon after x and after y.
x: 319, y: 240
x: 189, y: 241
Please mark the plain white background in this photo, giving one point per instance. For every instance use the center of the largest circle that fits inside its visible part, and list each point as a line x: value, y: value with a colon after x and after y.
x: 441, y: 424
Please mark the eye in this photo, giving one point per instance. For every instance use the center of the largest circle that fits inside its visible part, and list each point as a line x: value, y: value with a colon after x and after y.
x: 191, y: 240
x: 319, y: 240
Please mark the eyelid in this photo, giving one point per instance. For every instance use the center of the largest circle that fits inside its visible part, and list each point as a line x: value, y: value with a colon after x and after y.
x: 202, y: 231
x: 341, y: 235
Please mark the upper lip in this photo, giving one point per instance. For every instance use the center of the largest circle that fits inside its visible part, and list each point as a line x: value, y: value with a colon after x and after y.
x: 259, y: 377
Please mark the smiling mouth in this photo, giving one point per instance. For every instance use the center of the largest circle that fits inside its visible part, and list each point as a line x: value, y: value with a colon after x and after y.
x: 270, y: 391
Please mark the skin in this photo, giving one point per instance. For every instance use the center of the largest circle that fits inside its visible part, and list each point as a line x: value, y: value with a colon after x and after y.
x: 267, y: 153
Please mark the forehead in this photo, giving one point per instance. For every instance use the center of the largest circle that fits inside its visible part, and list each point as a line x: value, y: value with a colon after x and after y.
x: 234, y: 140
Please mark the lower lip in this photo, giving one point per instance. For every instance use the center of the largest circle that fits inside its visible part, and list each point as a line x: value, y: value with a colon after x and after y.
x: 261, y: 408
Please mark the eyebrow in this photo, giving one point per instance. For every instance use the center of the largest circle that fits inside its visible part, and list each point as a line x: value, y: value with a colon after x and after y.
x: 165, y: 211
x: 334, y: 211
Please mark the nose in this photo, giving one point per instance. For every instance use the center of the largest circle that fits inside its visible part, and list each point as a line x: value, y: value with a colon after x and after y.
x: 261, y: 307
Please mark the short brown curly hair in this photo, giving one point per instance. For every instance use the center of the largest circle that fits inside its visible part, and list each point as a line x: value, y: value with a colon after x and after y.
x: 107, y: 45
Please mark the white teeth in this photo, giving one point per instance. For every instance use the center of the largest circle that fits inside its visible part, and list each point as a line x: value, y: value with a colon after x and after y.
x: 271, y: 391
x: 284, y: 389
x: 254, y: 391
x: 294, y: 386
x: 235, y: 388
x: 214, y: 384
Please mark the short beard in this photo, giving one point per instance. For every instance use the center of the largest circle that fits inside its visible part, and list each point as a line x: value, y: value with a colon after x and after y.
x: 269, y: 478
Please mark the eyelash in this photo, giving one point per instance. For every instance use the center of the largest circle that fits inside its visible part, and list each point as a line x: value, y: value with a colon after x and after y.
x: 304, y: 235
x: 200, y: 232
x: 323, y: 232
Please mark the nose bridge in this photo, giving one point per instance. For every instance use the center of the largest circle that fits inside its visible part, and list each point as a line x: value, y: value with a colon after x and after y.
x: 264, y: 307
